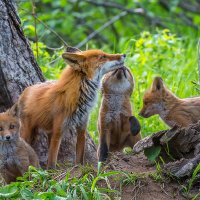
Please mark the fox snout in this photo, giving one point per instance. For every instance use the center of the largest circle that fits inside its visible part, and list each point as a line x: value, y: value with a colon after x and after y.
x: 6, y: 137
x: 123, y: 56
x: 121, y: 72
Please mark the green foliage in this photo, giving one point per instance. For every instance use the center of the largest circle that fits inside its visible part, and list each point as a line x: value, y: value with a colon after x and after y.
x: 152, y: 152
x: 152, y: 50
x: 129, y: 178
x: 40, y: 184
x: 149, y: 55
x: 188, y: 188
x: 75, y: 20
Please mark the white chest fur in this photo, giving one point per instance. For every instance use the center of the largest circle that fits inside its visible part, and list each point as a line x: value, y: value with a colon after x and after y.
x: 88, y: 93
x: 115, y: 107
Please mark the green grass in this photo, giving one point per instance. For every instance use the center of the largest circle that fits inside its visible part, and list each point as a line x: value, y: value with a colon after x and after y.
x: 148, y: 55
x: 162, y: 54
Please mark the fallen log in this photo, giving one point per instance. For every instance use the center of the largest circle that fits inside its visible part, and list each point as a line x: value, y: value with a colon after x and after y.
x: 180, y: 146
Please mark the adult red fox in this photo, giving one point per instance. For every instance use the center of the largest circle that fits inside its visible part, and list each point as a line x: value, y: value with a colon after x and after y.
x: 172, y: 110
x: 117, y: 127
x: 66, y: 103
x: 15, y: 154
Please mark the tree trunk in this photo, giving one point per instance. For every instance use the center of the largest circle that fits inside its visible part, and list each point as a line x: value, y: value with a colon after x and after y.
x: 18, y: 69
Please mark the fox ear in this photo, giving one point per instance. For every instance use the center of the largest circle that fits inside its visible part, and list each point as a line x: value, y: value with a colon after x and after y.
x: 13, y: 110
x: 72, y: 49
x: 157, y: 84
x: 134, y: 125
x: 73, y: 59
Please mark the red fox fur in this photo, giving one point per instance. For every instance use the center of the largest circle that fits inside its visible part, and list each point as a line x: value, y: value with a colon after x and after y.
x: 66, y: 103
x: 117, y: 127
x: 172, y: 110
x: 15, y: 154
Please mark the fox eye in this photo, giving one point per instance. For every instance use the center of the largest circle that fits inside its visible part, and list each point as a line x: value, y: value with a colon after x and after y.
x: 12, y: 126
x: 1, y: 129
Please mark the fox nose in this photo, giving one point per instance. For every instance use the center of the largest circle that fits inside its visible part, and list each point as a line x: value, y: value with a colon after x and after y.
x: 7, y: 137
x: 124, y: 55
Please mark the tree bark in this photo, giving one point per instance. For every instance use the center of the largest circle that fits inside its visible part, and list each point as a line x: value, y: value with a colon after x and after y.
x: 18, y: 69
x: 180, y: 146
x: 180, y: 149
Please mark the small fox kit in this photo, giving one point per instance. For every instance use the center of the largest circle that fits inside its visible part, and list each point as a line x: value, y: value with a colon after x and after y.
x: 15, y: 154
x: 172, y: 110
x: 117, y: 127
x: 66, y: 103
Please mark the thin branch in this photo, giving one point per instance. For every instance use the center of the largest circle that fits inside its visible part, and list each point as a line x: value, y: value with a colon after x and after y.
x: 49, y: 28
x: 115, y: 5
x: 198, y: 56
x: 55, y: 48
x: 139, y: 11
x: 55, y: 33
x: 187, y: 5
x: 35, y: 25
x: 93, y: 34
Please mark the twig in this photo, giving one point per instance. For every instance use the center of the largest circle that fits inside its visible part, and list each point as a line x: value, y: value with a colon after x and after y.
x: 49, y: 28
x: 35, y: 25
x: 54, y: 48
x: 191, y: 7
x: 63, y: 41
x: 198, y: 57
x: 93, y: 34
x: 118, y: 6
x: 138, y: 11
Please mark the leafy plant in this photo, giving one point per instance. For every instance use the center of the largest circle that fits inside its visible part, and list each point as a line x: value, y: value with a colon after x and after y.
x: 152, y: 153
x: 40, y: 184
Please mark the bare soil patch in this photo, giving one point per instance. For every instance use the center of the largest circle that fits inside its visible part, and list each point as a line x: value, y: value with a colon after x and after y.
x: 145, y: 188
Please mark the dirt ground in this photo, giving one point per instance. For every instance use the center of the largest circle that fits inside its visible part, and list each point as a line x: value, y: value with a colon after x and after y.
x: 145, y: 188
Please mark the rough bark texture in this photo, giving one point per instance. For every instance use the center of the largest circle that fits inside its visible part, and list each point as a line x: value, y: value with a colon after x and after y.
x: 180, y: 148
x: 182, y: 144
x: 18, y: 69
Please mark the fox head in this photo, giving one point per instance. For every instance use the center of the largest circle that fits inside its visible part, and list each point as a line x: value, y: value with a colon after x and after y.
x: 119, y: 81
x: 93, y: 63
x: 9, y: 127
x: 154, y: 98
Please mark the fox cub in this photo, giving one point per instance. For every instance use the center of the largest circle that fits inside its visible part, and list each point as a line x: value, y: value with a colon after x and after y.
x: 172, y: 110
x: 66, y: 103
x: 15, y: 154
x: 117, y: 127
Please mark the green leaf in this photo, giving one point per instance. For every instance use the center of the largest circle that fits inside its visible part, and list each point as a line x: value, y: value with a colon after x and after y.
x: 26, y: 194
x: 9, y: 190
x: 152, y: 153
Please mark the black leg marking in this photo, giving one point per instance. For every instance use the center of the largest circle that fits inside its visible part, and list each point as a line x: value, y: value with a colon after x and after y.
x: 103, y: 150
x: 134, y: 125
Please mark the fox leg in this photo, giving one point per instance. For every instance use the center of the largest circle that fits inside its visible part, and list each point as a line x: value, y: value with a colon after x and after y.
x: 103, y: 146
x: 26, y: 130
x: 134, y: 125
x: 54, y: 143
x: 80, y: 147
